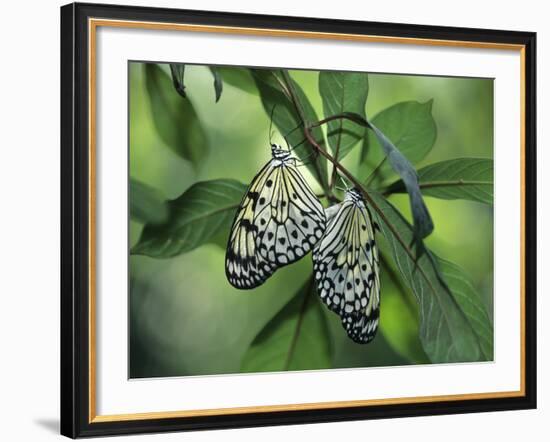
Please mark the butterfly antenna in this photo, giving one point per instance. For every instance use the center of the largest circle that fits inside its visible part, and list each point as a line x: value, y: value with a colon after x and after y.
x: 343, y: 182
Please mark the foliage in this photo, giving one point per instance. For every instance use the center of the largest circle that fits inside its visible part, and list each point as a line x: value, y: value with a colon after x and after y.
x: 297, y: 338
x: 175, y: 118
x: 447, y: 320
x: 194, y: 218
x: 460, y: 178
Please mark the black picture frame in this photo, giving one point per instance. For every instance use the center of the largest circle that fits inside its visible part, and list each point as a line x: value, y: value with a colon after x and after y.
x: 75, y: 219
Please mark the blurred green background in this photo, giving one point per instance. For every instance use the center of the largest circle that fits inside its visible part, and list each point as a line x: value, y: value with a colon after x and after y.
x: 185, y: 318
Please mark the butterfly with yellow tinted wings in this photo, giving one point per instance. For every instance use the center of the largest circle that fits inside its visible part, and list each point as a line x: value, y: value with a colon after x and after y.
x: 279, y: 220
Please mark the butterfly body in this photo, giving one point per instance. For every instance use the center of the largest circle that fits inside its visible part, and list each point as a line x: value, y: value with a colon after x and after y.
x: 346, y: 268
x: 278, y: 221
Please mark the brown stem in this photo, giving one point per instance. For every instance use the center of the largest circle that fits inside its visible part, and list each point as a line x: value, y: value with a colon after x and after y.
x: 357, y: 119
x: 343, y: 116
x: 289, y: 88
x: 359, y: 186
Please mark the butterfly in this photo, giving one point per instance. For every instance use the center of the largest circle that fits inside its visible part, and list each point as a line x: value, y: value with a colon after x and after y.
x: 278, y: 222
x: 346, y: 267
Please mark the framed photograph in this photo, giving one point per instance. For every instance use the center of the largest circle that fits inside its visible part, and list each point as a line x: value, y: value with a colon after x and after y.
x: 279, y: 220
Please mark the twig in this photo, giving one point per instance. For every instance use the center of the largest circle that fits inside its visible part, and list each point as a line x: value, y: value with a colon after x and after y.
x: 356, y: 183
x: 343, y: 116
x: 293, y: 96
x: 358, y: 120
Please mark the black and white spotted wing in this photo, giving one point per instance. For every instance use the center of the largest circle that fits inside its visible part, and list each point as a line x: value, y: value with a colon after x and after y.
x: 278, y: 222
x: 346, y: 268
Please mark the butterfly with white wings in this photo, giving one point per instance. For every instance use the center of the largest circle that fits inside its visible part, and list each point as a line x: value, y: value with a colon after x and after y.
x: 346, y: 267
x: 278, y: 222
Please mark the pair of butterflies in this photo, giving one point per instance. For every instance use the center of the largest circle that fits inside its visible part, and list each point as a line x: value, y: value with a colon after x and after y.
x: 280, y: 220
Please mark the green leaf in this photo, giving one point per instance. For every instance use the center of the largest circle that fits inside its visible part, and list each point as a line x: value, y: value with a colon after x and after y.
x: 423, y: 224
x: 461, y: 178
x: 174, y: 117
x: 411, y: 128
x: 296, y: 338
x: 399, y: 315
x: 178, y: 73
x: 343, y: 92
x: 445, y: 330
x: 218, y: 83
x: 196, y: 217
x: 471, y: 304
x: 146, y: 203
x: 240, y: 78
x: 288, y: 120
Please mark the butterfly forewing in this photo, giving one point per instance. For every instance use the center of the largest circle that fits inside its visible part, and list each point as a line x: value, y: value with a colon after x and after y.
x: 346, y: 268
x: 278, y: 222
x: 292, y: 220
x: 244, y: 268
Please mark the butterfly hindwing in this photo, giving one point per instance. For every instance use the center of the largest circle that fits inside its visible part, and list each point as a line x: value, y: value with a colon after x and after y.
x: 346, y: 268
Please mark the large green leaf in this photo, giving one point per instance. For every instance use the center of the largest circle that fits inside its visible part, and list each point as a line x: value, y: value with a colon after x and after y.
x: 471, y: 304
x: 196, y: 217
x: 399, y: 315
x: 423, y: 224
x: 241, y: 78
x: 411, y: 128
x: 461, y: 178
x: 146, y: 203
x: 297, y: 338
x: 446, y: 332
x: 343, y: 92
x: 288, y: 120
x: 174, y: 117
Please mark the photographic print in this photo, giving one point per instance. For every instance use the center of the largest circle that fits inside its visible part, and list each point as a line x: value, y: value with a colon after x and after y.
x: 274, y: 220
x: 287, y: 220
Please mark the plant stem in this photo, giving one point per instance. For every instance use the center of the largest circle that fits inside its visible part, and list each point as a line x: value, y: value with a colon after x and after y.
x: 358, y: 120
x: 343, y: 116
x: 356, y: 183
x: 288, y: 88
